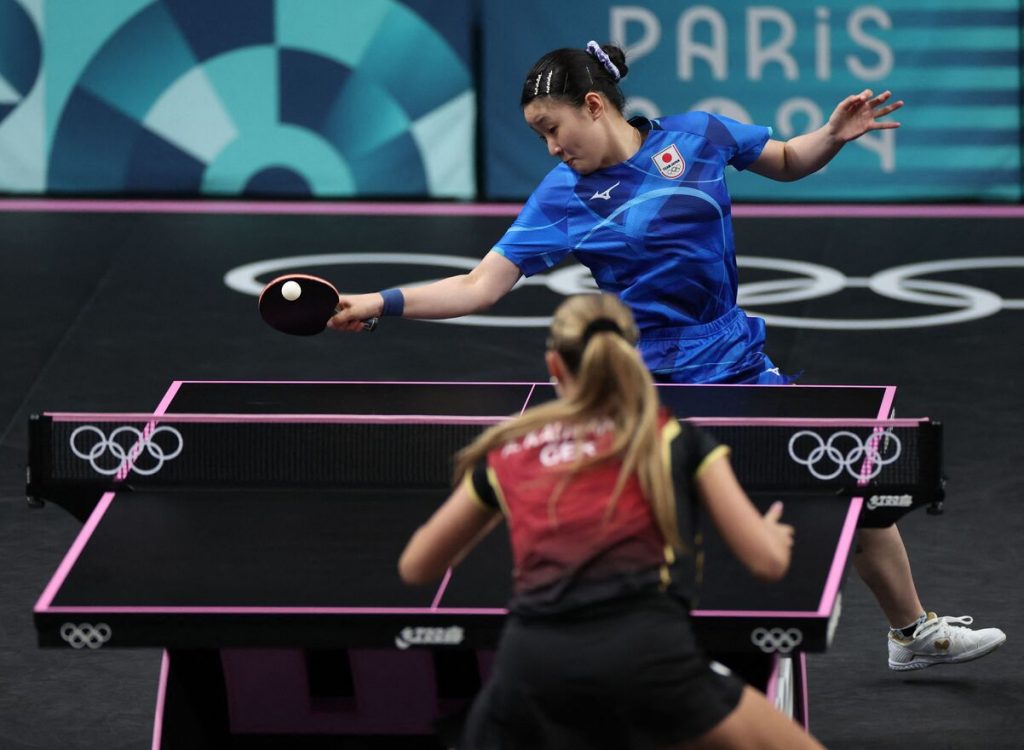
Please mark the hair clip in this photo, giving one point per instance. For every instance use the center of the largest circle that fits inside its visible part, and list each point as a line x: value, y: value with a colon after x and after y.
x: 598, y: 325
x: 594, y: 49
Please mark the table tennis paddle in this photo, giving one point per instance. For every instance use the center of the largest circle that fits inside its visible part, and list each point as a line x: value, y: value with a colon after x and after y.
x: 301, y: 305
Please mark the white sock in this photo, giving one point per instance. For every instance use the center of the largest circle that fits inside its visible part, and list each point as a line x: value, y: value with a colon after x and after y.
x: 908, y: 630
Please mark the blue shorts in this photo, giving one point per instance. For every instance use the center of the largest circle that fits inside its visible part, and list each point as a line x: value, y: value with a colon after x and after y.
x: 726, y: 350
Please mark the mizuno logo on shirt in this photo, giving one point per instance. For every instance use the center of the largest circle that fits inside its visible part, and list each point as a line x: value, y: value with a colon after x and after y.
x: 605, y: 194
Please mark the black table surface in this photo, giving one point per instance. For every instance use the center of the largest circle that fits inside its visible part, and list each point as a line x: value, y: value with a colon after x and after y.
x: 317, y: 567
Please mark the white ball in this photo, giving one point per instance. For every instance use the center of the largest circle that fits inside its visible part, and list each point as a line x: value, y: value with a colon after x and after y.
x: 291, y: 290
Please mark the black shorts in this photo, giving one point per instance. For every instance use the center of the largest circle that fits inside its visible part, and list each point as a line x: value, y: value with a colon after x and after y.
x: 624, y: 676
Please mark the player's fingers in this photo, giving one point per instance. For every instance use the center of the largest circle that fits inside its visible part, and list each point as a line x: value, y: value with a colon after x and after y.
x: 856, y: 100
x: 883, y: 111
x: 343, y: 322
x: 774, y: 513
x: 849, y: 103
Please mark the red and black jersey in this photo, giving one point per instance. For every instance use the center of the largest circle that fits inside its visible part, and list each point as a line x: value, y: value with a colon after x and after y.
x: 571, y: 548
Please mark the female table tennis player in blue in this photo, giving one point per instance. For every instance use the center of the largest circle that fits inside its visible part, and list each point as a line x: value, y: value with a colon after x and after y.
x: 599, y: 490
x: 644, y: 205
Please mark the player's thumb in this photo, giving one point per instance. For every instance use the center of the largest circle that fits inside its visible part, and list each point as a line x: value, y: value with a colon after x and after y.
x: 774, y: 513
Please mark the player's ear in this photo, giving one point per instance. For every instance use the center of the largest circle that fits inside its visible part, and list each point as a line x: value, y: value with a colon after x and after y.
x: 556, y: 365
x: 594, y: 104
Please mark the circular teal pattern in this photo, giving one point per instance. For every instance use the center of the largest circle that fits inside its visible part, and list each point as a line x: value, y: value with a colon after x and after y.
x: 20, y: 56
x: 264, y: 97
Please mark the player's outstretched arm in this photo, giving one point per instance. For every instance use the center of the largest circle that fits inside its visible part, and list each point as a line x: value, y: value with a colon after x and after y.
x: 805, y: 154
x: 451, y: 297
x: 454, y: 529
x: 761, y: 543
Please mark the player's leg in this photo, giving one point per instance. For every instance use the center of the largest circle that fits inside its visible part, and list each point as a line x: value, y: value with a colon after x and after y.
x: 882, y: 562
x: 755, y: 723
x: 916, y: 639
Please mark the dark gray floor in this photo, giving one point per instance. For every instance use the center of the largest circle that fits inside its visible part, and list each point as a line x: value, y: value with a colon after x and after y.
x: 102, y: 311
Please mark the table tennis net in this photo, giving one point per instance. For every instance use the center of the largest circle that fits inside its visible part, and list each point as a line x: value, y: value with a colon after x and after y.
x: 112, y: 451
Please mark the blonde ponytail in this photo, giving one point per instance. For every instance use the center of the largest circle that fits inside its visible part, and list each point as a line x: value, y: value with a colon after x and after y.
x: 596, y: 337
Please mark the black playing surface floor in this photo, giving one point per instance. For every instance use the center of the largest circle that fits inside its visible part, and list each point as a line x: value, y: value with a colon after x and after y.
x: 102, y: 311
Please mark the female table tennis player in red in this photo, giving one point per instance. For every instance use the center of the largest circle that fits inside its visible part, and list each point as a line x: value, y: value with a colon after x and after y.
x: 600, y: 490
x: 644, y: 205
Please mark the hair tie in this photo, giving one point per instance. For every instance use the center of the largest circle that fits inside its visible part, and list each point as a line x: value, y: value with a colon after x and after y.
x: 594, y: 49
x: 598, y: 325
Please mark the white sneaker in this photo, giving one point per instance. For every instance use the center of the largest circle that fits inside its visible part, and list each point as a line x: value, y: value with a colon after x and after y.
x: 942, y: 640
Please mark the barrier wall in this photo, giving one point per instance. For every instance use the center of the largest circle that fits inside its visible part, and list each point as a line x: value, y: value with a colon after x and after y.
x: 787, y: 64
x: 224, y: 97
x: 342, y: 98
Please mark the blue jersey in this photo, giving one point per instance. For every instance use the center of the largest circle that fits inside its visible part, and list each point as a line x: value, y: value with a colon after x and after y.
x: 656, y: 230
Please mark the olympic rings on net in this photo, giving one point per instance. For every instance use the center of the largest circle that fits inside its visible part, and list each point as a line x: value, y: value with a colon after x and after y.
x: 807, y: 281
x: 85, y: 635
x: 776, y: 640
x: 126, y: 457
x: 863, y: 460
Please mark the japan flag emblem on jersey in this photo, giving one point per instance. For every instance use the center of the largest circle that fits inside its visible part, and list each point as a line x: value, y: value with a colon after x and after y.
x: 670, y: 162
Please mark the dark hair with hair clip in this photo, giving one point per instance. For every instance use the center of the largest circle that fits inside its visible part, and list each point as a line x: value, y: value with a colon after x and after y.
x: 569, y: 74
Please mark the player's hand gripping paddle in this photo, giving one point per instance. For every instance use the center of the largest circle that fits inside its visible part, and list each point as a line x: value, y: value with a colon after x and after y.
x: 301, y: 305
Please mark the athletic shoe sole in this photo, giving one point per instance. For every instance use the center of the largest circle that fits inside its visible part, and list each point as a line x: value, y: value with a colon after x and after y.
x: 929, y: 661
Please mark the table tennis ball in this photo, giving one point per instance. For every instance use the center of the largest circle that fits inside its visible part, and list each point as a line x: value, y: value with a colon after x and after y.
x: 291, y: 290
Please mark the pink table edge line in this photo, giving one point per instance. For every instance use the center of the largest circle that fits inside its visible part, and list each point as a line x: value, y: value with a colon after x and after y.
x: 161, y: 701
x: 804, y: 693
x: 885, y: 409
x: 169, y: 396
x: 245, y: 610
x: 526, y: 402
x: 534, y: 384
x: 363, y: 382
x: 508, y: 209
x: 210, y: 418
x: 46, y: 598
x: 43, y: 604
x: 235, y: 418
x: 441, y: 589
x: 832, y: 581
x: 441, y: 611
x: 839, y: 560
x: 242, y: 610
x: 772, y: 687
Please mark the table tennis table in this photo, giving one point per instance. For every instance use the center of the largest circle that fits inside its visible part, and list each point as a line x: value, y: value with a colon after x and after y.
x: 278, y: 603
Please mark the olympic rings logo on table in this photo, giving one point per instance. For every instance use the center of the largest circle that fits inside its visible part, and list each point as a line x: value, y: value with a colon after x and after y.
x: 85, y: 635
x: 126, y: 456
x: 808, y: 281
x: 826, y: 459
x: 776, y: 640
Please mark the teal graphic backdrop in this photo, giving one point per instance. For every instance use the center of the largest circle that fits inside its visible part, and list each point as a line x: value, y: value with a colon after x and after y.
x: 377, y: 98
x: 227, y: 97
x: 786, y: 64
